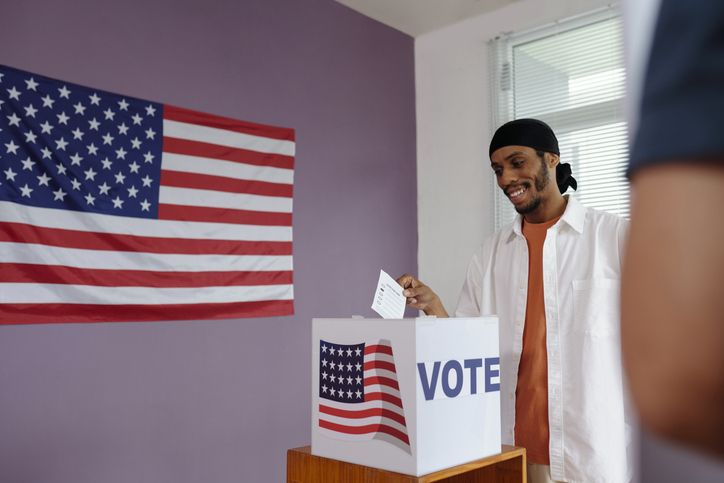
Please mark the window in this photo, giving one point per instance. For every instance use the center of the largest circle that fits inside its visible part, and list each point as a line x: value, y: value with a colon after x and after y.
x: 571, y: 75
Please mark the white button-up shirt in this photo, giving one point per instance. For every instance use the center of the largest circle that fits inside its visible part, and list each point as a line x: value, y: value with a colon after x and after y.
x: 582, y: 259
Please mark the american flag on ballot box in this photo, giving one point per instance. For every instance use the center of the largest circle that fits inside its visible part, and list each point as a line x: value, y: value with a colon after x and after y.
x: 359, y: 396
x: 118, y: 209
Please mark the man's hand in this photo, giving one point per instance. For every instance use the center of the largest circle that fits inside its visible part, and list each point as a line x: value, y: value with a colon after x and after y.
x: 421, y: 297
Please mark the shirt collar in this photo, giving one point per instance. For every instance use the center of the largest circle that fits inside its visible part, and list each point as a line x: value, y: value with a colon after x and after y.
x: 574, y: 216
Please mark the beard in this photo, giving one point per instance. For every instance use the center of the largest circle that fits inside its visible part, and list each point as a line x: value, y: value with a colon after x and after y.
x: 542, y: 179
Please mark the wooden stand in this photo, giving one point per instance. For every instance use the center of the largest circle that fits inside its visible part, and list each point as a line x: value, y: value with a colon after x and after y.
x: 507, y: 467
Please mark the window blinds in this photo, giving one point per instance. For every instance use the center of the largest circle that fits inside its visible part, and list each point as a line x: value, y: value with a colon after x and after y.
x: 571, y: 75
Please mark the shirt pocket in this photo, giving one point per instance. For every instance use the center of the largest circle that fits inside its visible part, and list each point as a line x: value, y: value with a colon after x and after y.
x: 596, y: 307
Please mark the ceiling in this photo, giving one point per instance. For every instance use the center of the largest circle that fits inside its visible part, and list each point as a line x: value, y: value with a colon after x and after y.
x: 417, y: 17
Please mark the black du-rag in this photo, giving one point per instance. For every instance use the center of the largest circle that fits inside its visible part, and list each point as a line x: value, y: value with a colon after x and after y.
x: 538, y: 135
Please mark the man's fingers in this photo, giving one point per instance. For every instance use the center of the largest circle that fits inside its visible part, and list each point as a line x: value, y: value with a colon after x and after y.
x: 415, y: 304
x: 414, y: 291
x: 406, y: 280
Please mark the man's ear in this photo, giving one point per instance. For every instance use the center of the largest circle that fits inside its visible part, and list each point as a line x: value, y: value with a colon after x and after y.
x: 552, y: 159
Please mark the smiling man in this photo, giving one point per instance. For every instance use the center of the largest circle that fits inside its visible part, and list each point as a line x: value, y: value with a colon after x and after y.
x: 552, y: 277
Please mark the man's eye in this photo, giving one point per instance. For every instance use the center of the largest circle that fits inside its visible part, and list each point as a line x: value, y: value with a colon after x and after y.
x: 517, y: 163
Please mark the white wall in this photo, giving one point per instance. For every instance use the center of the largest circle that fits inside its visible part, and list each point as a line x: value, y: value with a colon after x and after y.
x: 454, y: 180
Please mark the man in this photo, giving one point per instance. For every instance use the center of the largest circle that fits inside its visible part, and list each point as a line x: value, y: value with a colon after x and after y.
x: 672, y: 302
x: 552, y: 277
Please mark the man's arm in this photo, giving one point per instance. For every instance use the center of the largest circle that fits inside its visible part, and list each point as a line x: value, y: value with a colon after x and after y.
x: 672, y: 302
x: 421, y: 297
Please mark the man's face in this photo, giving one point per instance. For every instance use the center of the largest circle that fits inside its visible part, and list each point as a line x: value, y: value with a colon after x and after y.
x: 523, y: 176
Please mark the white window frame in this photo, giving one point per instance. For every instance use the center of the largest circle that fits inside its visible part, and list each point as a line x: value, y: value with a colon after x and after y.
x: 502, y: 102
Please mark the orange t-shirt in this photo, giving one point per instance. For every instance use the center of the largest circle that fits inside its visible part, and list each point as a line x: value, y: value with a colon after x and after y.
x: 531, y: 403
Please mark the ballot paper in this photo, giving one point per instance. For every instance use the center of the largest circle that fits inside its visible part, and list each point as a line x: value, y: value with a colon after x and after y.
x: 389, y: 301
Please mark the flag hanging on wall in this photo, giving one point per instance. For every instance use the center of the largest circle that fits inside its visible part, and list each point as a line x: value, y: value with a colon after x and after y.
x: 119, y: 209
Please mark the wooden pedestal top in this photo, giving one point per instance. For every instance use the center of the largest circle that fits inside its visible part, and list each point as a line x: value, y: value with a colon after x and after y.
x: 506, y: 467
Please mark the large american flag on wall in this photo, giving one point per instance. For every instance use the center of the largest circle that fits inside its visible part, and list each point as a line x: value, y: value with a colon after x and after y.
x: 118, y: 209
x: 359, y: 395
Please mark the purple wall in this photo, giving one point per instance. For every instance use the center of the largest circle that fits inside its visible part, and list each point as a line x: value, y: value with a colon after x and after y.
x: 217, y: 401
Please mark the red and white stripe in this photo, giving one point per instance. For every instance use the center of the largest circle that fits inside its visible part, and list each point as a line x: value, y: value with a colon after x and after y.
x: 220, y: 170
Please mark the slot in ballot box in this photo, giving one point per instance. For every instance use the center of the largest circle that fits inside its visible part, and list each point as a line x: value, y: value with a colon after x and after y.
x: 413, y: 396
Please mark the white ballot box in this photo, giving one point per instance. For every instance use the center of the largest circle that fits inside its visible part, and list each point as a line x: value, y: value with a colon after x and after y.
x: 412, y: 396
